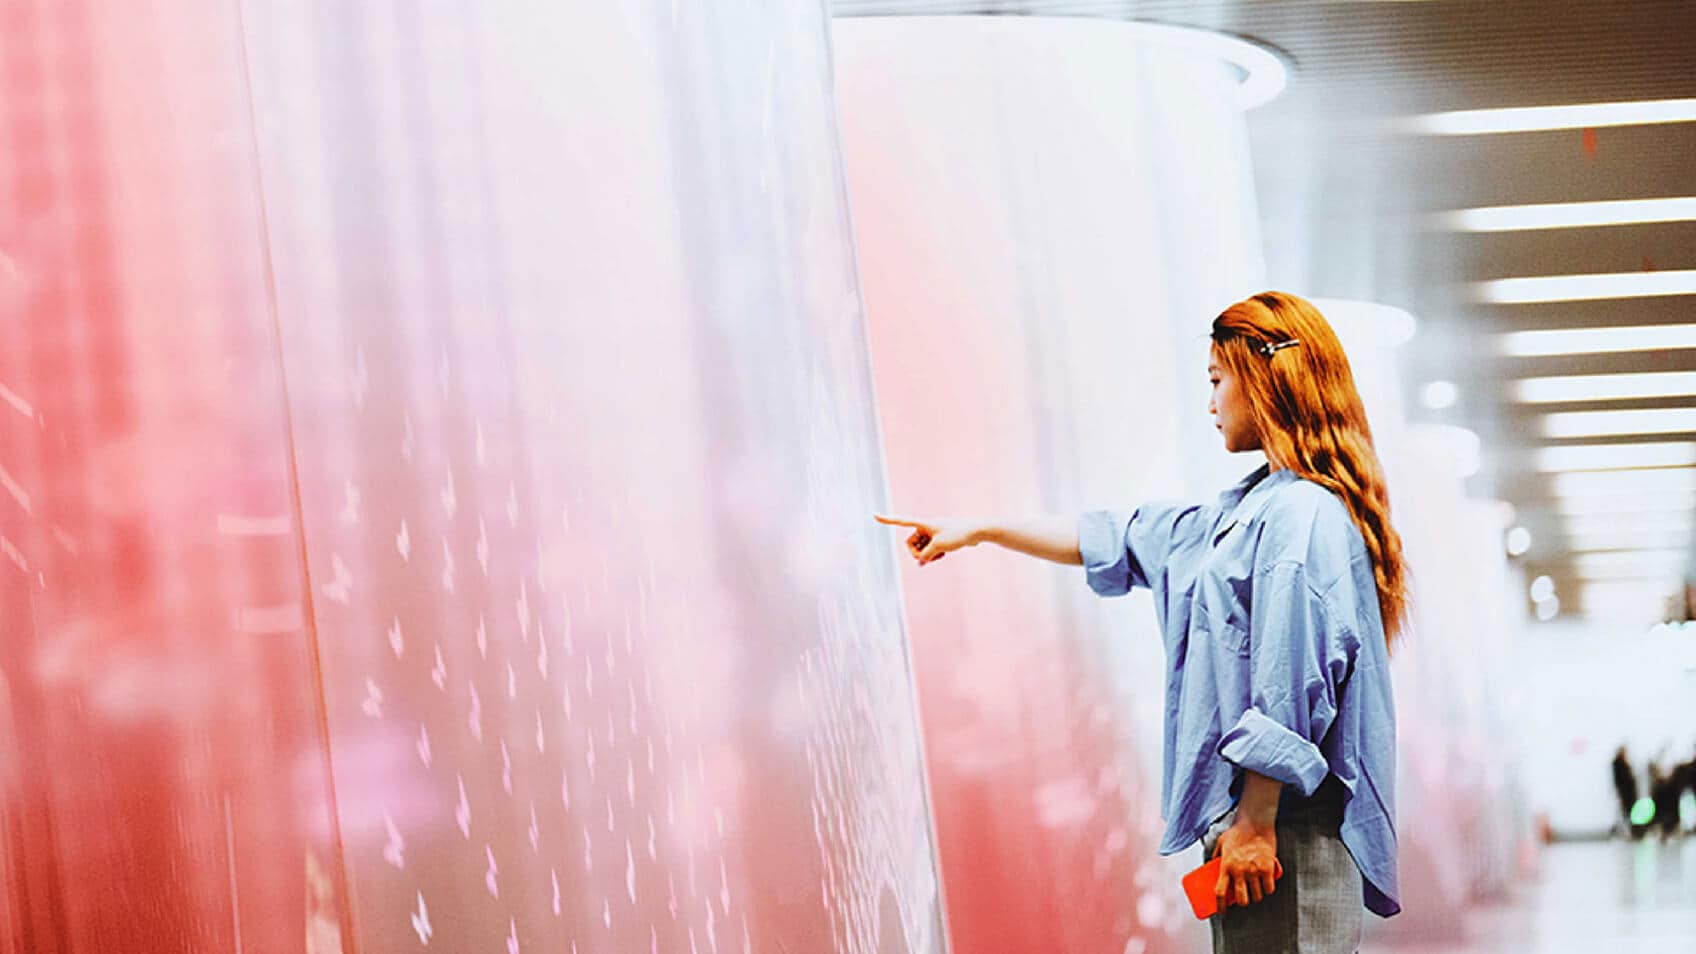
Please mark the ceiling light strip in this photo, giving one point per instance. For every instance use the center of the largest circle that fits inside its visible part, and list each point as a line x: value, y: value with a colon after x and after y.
x: 1546, y: 288
x: 1477, y: 122
x: 1616, y: 456
x: 1655, y: 420
x: 1606, y: 387
x: 1562, y: 341
x: 1567, y: 215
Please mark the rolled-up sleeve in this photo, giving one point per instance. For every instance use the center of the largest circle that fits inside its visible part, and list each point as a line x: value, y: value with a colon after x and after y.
x: 1124, y: 548
x: 1293, y: 669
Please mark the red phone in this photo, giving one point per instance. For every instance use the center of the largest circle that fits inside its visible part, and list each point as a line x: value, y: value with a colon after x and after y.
x: 1199, y: 884
x: 1198, y: 887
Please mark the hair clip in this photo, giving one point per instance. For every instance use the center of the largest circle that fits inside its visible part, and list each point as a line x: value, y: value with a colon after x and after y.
x: 1269, y: 349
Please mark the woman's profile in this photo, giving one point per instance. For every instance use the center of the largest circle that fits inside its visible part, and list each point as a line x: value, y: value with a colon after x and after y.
x: 1277, y: 603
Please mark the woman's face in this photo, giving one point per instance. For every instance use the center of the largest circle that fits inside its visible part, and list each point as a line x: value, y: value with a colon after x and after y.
x: 1229, y: 407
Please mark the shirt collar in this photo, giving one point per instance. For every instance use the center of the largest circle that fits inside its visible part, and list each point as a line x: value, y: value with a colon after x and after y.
x: 1244, y: 498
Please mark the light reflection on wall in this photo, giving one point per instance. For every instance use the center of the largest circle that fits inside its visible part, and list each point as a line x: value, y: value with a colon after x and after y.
x: 1038, y: 316
x: 573, y: 466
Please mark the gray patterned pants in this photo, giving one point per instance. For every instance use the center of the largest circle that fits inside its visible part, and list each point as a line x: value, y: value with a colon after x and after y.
x: 1316, y: 907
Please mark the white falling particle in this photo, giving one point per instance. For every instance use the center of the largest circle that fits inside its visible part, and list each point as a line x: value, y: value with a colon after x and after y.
x: 350, y: 503
x: 723, y: 888
x: 373, y: 704
x: 652, y: 854
x: 447, y: 566
x: 554, y: 875
x: 650, y: 756
x: 482, y: 638
x: 565, y: 697
x: 523, y: 610
x: 512, y: 936
x: 671, y: 895
x: 629, y: 871
x: 489, y: 875
x: 462, y: 811
x: 403, y: 542
x: 483, y: 546
x: 439, y: 674
x: 541, y: 740
x: 535, y: 830
x: 506, y: 769
x: 394, y: 851
x: 565, y: 789
x: 421, y: 921
x: 360, y: 380
x: 512, y: 504
x: 588, y: 852
x: 712, y: 928
x: 511, y: 682
x: 450, y: 500
x: 589, y: 755
x: 630, y: 783
x: 341, y: 582
x: 606, y: 912
x: 541, y: 654
x: 397, y: 643
x: 610, y: 824
x: 424, y: 745
x: 476, y: 718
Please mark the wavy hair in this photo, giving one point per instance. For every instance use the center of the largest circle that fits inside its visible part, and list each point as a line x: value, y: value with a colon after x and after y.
x: 1303, y: 401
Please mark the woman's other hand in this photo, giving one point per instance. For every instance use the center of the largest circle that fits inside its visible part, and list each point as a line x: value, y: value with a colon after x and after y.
x: 934, y: 539
x: 1250, y: 867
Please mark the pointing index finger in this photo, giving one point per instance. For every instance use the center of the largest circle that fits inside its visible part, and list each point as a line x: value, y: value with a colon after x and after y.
x: 895, y: 521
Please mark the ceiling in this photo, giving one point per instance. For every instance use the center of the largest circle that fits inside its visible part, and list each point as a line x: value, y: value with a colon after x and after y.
x: 1348, y: 195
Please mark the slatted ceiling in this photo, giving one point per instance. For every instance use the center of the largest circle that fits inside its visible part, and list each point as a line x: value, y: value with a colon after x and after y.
x: 1447, y: 55
x: 1345, y: 196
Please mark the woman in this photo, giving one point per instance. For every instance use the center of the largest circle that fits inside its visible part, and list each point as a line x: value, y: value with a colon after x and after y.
x: 1277, y: 604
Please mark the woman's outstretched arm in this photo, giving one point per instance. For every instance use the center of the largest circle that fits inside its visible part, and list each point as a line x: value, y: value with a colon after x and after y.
x: 1051, y: 537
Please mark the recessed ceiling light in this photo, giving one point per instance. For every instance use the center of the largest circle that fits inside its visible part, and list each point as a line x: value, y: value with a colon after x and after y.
x: 1542, y: 288
x: 1542, y: 588
x: 1526, y: 344
x: 1674, y: 483
x: 1439, y: 395
x: 1472, y: 122
x: 1606, y: 387
x: 1566, y: 215
x: 1616, y: 456
x: 1547, y: 609
x: 1518, y: 541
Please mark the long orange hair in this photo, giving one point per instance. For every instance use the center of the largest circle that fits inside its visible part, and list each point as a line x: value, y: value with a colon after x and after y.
x: 1311, y: 420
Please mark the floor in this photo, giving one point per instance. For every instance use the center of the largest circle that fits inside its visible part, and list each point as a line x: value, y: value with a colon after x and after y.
x: 1616, y: 897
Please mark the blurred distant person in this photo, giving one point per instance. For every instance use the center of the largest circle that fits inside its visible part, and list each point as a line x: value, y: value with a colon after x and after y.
x: 1665, y: 787
x: 1625, y: 786
x: 1277, y: 603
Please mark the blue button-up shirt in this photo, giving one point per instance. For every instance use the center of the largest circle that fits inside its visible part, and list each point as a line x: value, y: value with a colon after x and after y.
x: 1275, y: 653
